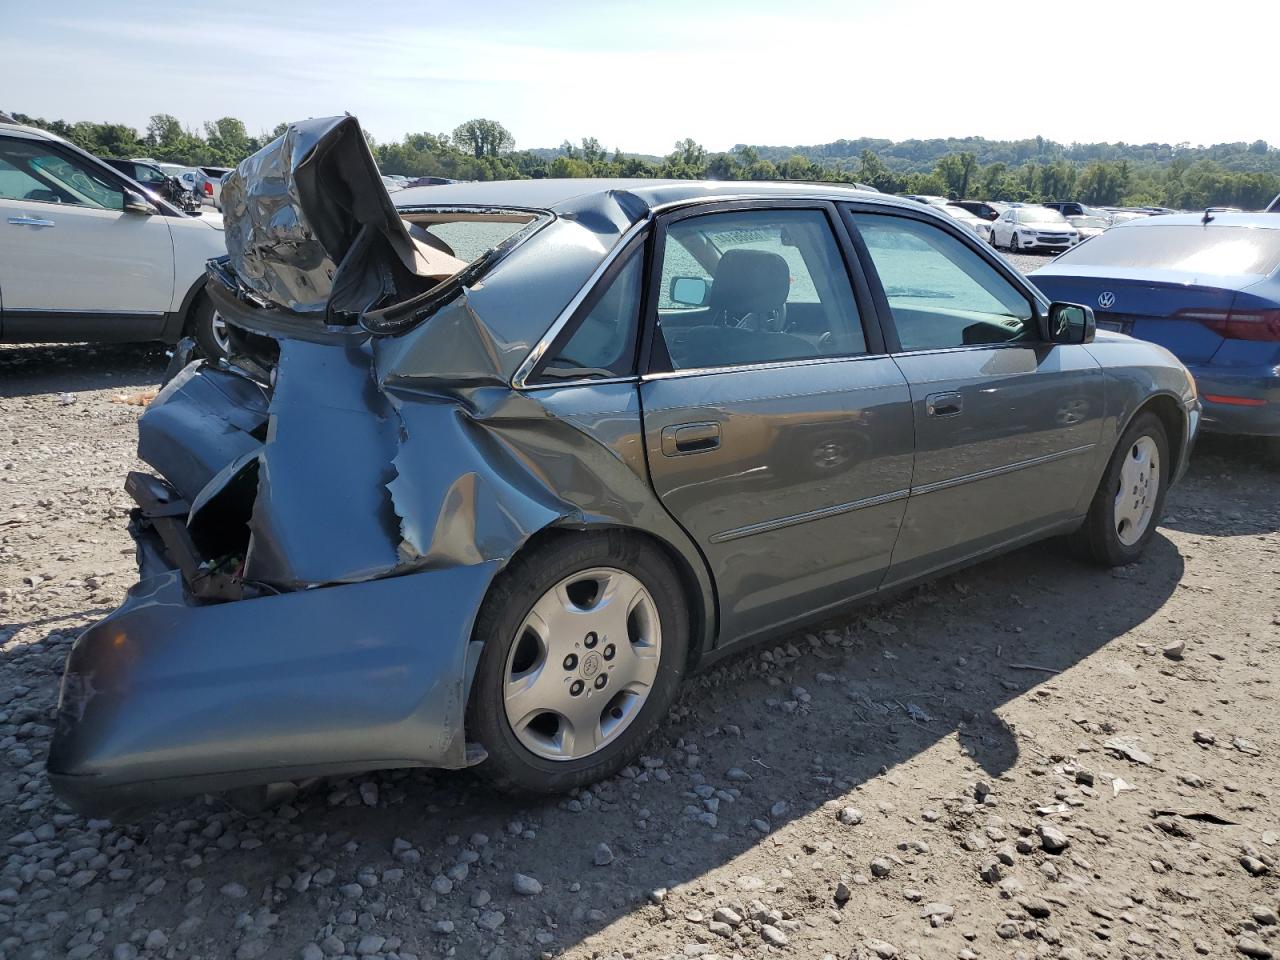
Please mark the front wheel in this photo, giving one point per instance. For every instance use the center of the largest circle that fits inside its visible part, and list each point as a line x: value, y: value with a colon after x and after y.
x: 1126, y: 509
x: 585, y: 644
x: 209, y: 330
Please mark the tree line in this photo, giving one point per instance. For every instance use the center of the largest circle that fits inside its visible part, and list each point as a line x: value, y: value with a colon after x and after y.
x: 1245, y: 175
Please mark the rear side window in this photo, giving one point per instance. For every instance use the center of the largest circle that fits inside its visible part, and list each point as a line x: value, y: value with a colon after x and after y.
x: 1223, y: 250
x: 604, y: 345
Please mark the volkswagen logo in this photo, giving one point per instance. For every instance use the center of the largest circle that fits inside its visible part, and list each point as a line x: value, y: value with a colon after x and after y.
x: 1106, y: 300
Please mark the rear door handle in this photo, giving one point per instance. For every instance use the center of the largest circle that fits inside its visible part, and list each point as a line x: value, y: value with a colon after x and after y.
x: 944, y: 404
x: 681, y: 439
x: 30, y: 222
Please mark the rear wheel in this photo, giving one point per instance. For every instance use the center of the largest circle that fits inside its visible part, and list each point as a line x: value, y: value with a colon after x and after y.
x: 1126, y: 509
x: 209, y: 330
x: 585, y: 644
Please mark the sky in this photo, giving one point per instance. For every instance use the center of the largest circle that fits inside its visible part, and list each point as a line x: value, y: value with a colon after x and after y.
x: 641, y: 76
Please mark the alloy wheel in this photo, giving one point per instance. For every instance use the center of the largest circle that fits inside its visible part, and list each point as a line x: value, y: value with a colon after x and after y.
x: 1139, y: 487
x: 218, y: 329
x: 583, y: 663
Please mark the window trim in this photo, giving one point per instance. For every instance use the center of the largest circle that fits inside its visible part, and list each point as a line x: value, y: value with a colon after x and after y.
x: 1036, y: 300
x: 863, y: 299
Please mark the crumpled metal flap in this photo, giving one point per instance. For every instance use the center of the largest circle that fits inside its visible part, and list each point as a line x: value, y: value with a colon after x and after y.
x: 310, y: 226
x: 200, y: 421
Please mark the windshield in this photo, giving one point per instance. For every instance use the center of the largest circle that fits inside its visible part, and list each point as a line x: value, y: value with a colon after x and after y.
x: 1088, y: 222
x: 1220, y: 250
x: 1039, y: 215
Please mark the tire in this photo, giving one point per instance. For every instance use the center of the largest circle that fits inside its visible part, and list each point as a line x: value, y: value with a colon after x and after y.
x: 207, y: 328
x: 1013, y: 241
x: 1116, y: 531
x: 527, y: 668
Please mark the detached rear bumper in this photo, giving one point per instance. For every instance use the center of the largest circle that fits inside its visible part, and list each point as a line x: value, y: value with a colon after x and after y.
x: 1243, y: 400
x: 168, y: 696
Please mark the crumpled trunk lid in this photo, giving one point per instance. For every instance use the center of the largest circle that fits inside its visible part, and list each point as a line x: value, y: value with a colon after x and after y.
x: 313, y: 239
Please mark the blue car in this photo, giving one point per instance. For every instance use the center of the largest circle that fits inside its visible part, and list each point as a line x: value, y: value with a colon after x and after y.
x: 1205, y: 287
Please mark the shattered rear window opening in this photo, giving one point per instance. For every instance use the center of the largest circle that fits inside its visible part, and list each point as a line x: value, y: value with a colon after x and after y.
x: 479, y: 236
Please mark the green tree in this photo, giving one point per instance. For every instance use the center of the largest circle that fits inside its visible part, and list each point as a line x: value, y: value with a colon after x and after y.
x: 484, y: 138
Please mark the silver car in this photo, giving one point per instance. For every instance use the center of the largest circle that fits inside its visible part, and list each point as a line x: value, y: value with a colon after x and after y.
x: 493, y: 467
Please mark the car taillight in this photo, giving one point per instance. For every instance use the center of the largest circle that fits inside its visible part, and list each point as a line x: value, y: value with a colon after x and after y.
x: 1236, y: 324
x: 208, y: 189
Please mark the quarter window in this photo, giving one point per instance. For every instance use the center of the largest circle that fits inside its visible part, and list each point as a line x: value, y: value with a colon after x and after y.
x: 604, y: 343
x: 942, y: 293
x: 755, y: 286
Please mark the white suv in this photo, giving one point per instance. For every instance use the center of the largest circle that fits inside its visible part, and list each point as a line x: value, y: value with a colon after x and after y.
x: 88, y: 254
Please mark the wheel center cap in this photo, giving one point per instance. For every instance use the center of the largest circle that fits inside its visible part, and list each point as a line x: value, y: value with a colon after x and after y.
x: 591, y: 664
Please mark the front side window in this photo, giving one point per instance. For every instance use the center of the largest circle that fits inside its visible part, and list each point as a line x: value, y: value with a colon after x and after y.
x: 755, y: 286
x: 941, y: 292
x: 29, y: 170
x: 604, y: 343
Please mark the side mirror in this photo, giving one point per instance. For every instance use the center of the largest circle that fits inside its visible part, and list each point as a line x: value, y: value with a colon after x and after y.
x: 689, y: 291
x: 137, y: 203
x: 1071, y: 323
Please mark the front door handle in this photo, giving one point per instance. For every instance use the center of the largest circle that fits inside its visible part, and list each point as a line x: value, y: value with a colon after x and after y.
x: 681, y: 439
x: 944, y: 404
x: 30, y: 222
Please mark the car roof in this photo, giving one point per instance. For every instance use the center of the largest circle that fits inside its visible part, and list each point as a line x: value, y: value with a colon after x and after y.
x: 1267, y: 220
x: 577, y: 195
x: 30, y: 133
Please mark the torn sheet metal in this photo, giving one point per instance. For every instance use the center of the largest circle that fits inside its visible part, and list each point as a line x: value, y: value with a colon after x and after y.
x: 198, y: 423
x: 310, y: 226
x: 323, y: 513
x: 165, y: 697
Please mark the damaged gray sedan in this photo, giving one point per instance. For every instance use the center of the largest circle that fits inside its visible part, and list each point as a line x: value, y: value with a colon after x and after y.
x: 492, y: 468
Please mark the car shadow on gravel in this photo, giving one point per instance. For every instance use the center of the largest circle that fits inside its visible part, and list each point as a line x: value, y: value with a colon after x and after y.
x: 1237, y: 475
x: 782, y: 730
x: 32, y: 369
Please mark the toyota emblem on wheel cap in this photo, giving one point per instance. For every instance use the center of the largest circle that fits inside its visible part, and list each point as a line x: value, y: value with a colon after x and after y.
x: 1106, y: 300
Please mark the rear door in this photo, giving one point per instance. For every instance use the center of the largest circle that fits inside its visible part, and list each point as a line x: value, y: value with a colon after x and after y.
x: 71, y: 259
x: 778, y: 432
x: 1006, y: 424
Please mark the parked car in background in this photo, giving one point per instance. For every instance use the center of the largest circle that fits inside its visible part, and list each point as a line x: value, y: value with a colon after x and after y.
x: 986, y: 209
x: 927, y: 199
x: 151, y: 176
x: 1207, y: 288
x: 503, y: 507
x: 185, y: 175
x: 430, y: 181
x: 1118, y: 215
x: 1088, y: 226
x: 1070, y: 208
x: 84, y: 255
x: 971, y: 220
x: 209, y: 184
x: 392, y: 184
x: 1033, y: 228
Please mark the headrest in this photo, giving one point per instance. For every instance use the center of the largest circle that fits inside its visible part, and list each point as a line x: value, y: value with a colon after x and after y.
x: 750, y: 281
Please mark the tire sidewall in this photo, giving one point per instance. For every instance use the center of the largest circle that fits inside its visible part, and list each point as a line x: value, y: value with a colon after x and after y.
x: 1118, y: 553
x: 510, y: 763
x: 201, y: 328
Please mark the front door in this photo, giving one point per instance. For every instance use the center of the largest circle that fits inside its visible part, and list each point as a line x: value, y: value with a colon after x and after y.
x: 70, y: 256
x: 778, y: 433
x: 1006, y: 424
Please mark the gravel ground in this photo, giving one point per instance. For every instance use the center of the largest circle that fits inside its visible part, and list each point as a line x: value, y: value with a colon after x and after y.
x: 1033, y: 758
